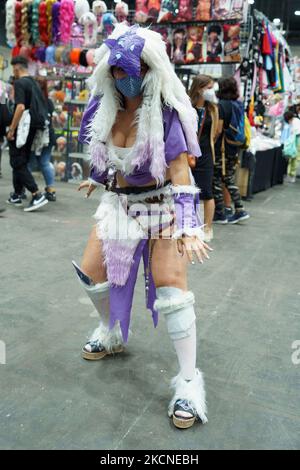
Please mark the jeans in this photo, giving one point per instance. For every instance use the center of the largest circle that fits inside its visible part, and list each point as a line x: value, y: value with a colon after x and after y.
x: 45, y: 165
x: 19, y: 158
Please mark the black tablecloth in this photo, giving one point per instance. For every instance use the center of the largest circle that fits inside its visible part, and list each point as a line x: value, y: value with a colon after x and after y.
x: 269, y: 170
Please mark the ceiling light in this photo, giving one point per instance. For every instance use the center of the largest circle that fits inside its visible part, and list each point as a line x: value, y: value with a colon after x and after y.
x: 277, y: 21
x: 297, y: 13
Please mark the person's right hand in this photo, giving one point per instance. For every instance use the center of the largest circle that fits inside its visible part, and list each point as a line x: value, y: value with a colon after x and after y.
x: 86, y: 184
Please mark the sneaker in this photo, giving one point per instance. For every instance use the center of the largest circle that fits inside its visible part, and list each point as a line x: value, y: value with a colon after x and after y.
x: 37, y: 201
x: 228, y: 211
x: 14, y: 199
x: 220, y: 219
x: 238, y: 216
x: 50, y: 196
x: 22, y: 195
x: 292, y: 179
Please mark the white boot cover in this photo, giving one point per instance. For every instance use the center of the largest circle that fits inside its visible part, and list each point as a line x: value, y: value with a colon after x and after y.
x: 193, y: 392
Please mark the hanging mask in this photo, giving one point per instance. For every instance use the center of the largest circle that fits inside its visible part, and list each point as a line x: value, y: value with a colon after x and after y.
x: 210, y: 96
x: 129, y: 86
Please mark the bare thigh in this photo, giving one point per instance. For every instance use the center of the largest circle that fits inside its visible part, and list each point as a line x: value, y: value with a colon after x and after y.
x: 169, y: 267
x: 93, y: 262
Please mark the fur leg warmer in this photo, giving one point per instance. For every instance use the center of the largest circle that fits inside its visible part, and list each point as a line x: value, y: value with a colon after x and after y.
x: 192, y: 391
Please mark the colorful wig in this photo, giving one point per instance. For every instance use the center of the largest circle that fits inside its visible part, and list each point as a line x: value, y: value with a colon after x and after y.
x: 81, y: 8
x: 66, y: 18
x: 55, y: 22
x: 43, y: 23
x: 25, y: 23
x: 49, y: 5
x: 18, y: 18
x: 10, y: 26
x: 35, y: 34
x: 89, y: 22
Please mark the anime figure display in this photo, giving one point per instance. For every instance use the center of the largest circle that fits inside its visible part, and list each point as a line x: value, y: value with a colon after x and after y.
x: 221, y: 9
x: 232, y: 43
x: 203, y: 11
x: 214, y: 43
x: 179, y: 46
x: 185, y: 12
x: 141, y: 11
x: 168, y: 11
x: 154, y: 9
x: 194, y: 52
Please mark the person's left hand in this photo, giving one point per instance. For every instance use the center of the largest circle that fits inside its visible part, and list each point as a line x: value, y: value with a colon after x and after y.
x: 193, y: 245
x: 10, y: 135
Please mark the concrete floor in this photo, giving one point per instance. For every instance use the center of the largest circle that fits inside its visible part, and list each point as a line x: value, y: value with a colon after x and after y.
x: 248, y: 309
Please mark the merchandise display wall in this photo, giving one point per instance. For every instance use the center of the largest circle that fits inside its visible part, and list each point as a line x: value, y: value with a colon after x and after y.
x: 218, y: 37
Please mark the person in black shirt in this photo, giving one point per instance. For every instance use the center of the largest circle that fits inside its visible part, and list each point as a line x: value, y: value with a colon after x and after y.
x: 44, y: 158
x: 19, y: 157
x: 228, y: 92
x: 204, y: 100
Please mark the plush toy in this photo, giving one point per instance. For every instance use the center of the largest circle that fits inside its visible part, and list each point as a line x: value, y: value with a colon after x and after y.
x: 153, y: 9
x: 168, y: 11
x: 141, y: 11
x: 108, y: 23
x: 179, y: 46
x: 121, y: 12
x: 81, y: 7
x: 89, y: 23
x: 99, y: 8
x: 194, y: 51
x: 232, y: 43
x: 203, y: 11
x: 185, y: 12
x: 77, y: 38
x: 214, y: 43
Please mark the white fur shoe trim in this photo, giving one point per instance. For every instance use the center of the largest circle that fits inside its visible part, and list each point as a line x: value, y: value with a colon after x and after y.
x: 109, y: 339
x: 193, y: 392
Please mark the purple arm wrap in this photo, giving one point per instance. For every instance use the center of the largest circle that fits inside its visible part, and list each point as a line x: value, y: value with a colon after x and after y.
x: 187, y: 217
x: 97, y: 178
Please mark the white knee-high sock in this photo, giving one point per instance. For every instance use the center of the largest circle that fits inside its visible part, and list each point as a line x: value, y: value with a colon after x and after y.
x: 186, y: 350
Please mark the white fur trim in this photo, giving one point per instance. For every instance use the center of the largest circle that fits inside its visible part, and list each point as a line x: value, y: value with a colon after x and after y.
x: 193, y: 392
x: 188, y: 189
x: 176, y: 302
x: 110, y: 339
x: 189, y: 232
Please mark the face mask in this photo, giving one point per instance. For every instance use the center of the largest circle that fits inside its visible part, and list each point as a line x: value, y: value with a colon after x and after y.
x: 210, y: 96
x: 129, y: 86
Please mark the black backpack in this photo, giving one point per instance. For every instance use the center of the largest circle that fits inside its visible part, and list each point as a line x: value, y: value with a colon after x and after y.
x: 38, y: 106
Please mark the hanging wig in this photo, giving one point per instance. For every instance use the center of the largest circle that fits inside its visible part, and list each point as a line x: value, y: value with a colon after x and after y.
x: 89, y: 22
x: 43, y: 23
x: 55, y: 22
x: 18, y: 19
x: 81, y: 8
x: 49, y: 5
x: 99, y: 7
x: 10, y: 9
x: 35, y: 34
x: 121, y: 11
x: 160, y: 84
x: 24, y: 22
x: 66, y: 18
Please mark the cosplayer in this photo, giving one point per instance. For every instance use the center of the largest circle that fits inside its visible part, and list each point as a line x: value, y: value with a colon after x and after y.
x: 140, y: 126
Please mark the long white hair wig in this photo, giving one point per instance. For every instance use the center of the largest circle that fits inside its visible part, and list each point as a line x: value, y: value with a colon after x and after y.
x: 160, y: 85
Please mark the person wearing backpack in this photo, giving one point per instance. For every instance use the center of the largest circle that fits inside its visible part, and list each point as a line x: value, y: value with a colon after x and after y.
x: 29, y: 115
x: 231, y: 139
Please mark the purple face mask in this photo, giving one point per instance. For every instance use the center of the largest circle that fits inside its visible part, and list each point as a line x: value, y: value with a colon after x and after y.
x: 126, y: 52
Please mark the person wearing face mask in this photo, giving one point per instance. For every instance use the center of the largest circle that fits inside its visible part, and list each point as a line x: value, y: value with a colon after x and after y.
x: 140, y: 126
x: 204, y: 100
